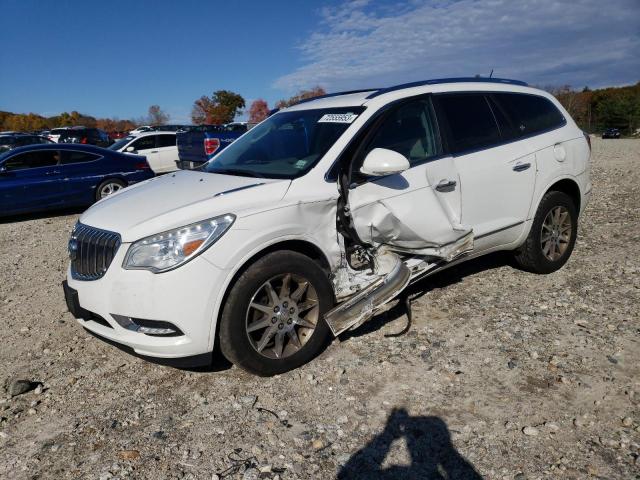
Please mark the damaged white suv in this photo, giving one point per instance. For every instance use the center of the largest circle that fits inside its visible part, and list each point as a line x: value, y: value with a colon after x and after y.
x: 316, y: 218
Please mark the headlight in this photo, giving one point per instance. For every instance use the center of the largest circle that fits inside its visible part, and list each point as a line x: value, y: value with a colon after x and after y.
x: 168, y: 250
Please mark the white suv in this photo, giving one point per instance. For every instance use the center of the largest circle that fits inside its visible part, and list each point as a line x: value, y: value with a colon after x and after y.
x: 312, y: 221
x: 159, y: 147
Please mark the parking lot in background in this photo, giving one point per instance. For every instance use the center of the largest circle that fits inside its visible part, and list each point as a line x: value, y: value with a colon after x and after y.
x: 513, y: 373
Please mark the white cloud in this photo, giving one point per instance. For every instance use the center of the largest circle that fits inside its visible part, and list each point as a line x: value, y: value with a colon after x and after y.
x: 546, y: 42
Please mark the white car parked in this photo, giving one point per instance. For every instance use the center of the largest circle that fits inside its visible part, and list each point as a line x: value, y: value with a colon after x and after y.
x: 312, y: 221
x: 159, y: 148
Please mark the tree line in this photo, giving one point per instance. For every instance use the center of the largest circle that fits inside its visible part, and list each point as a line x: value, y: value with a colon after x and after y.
x: 596, y: 110
x: 32, y: 122
x: 593, y: 111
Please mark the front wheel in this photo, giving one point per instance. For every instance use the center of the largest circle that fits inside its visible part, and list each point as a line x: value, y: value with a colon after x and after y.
x: 552, y: 235
x: 272, y: 321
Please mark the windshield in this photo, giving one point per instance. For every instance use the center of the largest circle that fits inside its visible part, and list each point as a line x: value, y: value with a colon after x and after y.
x: 121, y: 143
x: 285, y: 145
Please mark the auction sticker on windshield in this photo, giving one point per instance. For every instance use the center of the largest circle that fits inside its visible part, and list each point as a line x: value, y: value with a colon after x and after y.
x: 338, y: 118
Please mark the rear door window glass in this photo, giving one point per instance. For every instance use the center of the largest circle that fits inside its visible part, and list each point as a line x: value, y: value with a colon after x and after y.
x: 533, y: 113
x: 35, y: 159
x: 469, y: 122
x: 507, y: 125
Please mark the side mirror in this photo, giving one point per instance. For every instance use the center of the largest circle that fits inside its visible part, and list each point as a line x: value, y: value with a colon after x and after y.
x: 130, y: 150
x: 381, y: 161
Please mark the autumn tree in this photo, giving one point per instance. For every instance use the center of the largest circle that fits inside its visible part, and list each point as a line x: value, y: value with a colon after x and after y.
x: 301, y: 95
x: 156, y: 116
x: 222, y: 107
x: 258, y: 111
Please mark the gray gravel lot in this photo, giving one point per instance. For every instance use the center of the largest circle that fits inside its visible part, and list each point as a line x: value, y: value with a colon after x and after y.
x: 503, y: 375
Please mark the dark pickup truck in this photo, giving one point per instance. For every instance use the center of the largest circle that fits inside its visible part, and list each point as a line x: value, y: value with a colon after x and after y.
x: 200, y: 143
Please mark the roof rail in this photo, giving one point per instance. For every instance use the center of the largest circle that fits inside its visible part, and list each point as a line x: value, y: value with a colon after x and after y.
x: 446, y: 80
x: 336, y: 94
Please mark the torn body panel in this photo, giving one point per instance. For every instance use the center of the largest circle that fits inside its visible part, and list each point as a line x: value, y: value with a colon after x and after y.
x: 412, y: 213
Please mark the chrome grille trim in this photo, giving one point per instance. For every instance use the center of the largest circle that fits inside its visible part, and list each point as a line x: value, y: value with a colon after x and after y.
x: 91, y: 251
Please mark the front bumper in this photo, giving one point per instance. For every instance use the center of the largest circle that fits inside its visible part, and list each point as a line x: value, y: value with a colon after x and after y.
x: 185, y: 297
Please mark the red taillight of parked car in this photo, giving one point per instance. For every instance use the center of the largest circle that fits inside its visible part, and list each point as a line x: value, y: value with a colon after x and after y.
x: 83, y: 140
x: 211, y: 145
x: 142, y: 166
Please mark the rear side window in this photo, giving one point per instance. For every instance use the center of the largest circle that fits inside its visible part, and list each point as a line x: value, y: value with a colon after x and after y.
x: 532, y: 113
x: 69, y: 157
x: 36, y: 159
x: 469, y: 122
x: 166, y: 140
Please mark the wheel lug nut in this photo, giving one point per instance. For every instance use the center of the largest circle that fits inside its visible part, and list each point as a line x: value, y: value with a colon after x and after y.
x: 291, y: 310
x: 290, y: 321
x: 285, y: 304
x: 274, y: 319
x: 281, y: 325
x: 276, y: 309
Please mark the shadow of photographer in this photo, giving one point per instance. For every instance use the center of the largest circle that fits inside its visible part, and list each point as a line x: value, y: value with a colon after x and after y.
x: 433, y: 456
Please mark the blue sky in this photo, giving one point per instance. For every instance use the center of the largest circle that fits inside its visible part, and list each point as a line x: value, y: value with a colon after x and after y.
x: 116, y: 58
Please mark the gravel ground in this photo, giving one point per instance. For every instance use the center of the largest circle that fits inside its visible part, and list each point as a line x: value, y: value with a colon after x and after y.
x: 503, y: 375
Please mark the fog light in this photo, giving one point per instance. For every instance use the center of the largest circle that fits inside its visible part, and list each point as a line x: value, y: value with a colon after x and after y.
x: 154, y: 328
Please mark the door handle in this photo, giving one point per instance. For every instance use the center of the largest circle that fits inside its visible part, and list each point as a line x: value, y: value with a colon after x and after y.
x: 521, y: 167
x: 154, y: 151
x: 52, y: 172
x: 446, y: 185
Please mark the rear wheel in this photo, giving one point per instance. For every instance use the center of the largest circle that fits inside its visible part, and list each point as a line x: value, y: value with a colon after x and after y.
x: 108, y: 187
x: 552, y: 235
x: 272, y: 321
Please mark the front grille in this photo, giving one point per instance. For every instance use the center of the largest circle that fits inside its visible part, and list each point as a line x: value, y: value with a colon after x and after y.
x: 91, y: 251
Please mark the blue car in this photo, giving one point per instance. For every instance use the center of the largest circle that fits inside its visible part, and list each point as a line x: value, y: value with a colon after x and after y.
x: 54, y: 176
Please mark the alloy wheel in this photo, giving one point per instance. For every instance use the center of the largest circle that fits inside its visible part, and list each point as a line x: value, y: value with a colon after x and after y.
x: 556, y: 233
x: 282, y: 315
x: 109, y: 188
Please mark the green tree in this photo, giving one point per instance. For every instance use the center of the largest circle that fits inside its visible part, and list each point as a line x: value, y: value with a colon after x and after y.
x: 222, y: 107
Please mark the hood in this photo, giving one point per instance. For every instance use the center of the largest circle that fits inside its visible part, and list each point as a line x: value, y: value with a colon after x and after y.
x: 177, y: 199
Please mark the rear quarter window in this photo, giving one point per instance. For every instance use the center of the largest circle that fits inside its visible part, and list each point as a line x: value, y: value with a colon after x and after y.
x: 69, y: 157
x: 532, y: 113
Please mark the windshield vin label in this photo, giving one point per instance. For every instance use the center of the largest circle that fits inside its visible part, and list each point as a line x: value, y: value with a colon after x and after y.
x: 338, y: 118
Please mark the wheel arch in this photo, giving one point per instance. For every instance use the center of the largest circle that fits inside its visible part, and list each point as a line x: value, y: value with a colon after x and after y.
x: 568, y: 186
x: 304, y: 247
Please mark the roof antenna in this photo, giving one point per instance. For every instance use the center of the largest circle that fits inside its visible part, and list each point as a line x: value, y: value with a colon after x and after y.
x: 491, y: 74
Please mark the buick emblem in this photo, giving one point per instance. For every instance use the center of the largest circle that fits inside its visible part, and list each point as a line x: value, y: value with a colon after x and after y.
x: 73, y: 248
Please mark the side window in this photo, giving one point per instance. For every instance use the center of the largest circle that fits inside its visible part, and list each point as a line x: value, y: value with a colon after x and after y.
x: 469, y: 122
x: 145, y: 143
x: 409, y: 129
x: 69, y: 157
x: 36, y: 159
x: 533, y: 114
x: 166, y: 141
x: 506, y: 124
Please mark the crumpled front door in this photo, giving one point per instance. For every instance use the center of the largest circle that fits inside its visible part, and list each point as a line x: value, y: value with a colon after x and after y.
x: 416, y: 211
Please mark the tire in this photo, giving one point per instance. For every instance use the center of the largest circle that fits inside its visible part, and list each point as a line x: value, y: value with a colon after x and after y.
x: 111, y: 185
x: 248, y: 335
x: 536, y: 257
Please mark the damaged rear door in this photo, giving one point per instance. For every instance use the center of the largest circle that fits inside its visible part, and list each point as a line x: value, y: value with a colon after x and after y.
x: 416, y: 211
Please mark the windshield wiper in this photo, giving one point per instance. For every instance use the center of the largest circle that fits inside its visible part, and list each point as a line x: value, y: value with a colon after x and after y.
x: 237, y: 171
